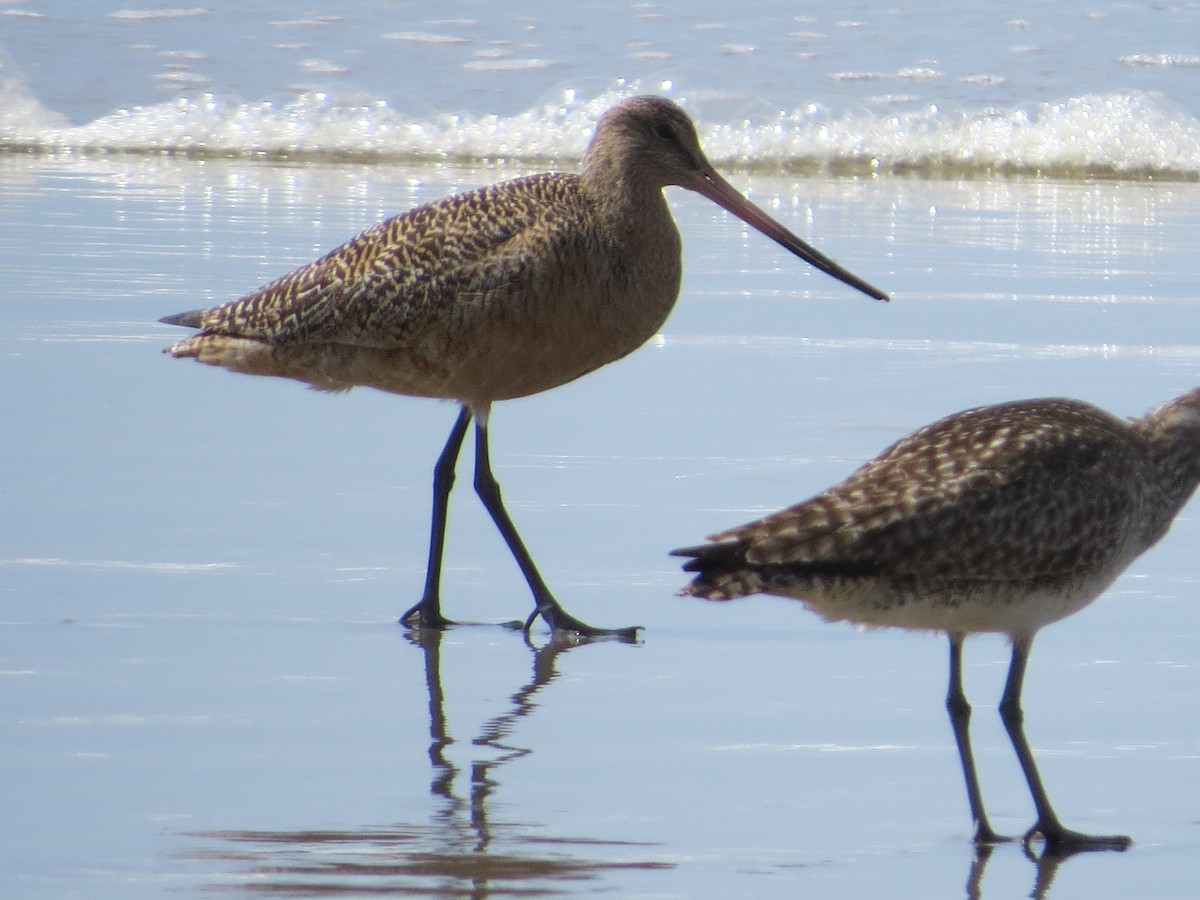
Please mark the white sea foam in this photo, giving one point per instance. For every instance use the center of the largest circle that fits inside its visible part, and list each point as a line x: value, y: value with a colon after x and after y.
x: 425, y: 37
x: 1134, y: 134
x: 145, y: 15
x: 507, y: 64
x: 1187, y: 61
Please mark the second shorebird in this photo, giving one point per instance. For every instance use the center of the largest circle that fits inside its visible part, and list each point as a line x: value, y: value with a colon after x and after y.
x: 497, y: 293
x: 999, y: 519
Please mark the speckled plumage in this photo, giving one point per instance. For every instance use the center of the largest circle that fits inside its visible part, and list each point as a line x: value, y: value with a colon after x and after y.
x: 501, y: 292
x: 496, y: 293
x: 1002, y: 518
x: 998, y: 519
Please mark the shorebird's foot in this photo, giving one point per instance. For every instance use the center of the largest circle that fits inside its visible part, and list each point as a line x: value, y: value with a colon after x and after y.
x: 560, y: 620
x: 1059, y: 841
x: 984, y: 836
x: 424, y: 616
x: 431, y: 618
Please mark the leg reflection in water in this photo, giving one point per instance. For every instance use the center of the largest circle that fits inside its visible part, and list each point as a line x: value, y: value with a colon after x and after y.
x: 455, y: 848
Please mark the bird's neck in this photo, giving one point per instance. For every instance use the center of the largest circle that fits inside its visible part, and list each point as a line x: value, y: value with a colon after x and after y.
x: 619, y: 188
x: 1174, y: 449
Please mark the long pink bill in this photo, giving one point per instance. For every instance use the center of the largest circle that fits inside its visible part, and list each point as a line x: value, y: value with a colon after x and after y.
x: 721, y: 192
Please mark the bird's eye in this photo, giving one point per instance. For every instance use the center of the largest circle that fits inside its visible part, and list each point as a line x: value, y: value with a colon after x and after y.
x: 664, y: 131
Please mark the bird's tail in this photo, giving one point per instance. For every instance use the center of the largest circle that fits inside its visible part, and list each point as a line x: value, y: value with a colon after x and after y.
x: 190, y: 319
x: 722, y: 573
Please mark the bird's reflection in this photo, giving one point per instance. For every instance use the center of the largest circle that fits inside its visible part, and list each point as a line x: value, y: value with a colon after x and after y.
x: 493, y: 734
x: 1046, y: 864
x: 453, y: 855
x: 457, y: 848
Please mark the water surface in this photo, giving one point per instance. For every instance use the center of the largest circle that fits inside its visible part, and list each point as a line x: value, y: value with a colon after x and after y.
x: 203, y: 685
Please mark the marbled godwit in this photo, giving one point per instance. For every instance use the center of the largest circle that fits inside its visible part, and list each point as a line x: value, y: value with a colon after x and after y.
x: 497, y: 293
x: 998, y: 519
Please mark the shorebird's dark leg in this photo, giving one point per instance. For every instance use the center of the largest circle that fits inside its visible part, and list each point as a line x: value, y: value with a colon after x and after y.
x: 546, y: 606
x: 1059, y: 840
x: 428, y: 613
x: 960, y: 720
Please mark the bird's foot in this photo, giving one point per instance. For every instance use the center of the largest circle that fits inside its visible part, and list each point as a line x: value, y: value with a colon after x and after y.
x: 560, y: 620
x: 429, y: 618
x: 1059, y: 841
x: 426, y: 614
x: 984, y: 836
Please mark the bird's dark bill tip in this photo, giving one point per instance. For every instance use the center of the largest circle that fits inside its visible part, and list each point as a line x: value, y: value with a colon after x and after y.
x: 847, y: 277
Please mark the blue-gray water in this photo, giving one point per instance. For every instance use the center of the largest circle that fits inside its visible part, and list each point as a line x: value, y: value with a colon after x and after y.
x: 1070, y: 87
x: 201, y: 682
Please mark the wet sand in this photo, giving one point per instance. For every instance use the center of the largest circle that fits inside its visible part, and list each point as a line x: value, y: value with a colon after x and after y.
x: 201, y: 680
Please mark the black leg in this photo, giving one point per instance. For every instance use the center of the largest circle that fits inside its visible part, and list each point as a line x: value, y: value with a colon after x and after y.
x: 960, y: 720
x: 545, y: 605
x: 1059, y: 840
x: 428, y: 613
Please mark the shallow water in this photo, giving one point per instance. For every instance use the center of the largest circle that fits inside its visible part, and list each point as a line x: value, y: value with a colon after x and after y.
x: 201, y: 683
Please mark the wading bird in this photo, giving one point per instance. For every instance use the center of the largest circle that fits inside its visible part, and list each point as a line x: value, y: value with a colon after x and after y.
x: 998, y: 519
x: 500, y: 292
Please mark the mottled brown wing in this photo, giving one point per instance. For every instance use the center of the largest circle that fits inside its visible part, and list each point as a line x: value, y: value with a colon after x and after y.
x: 381, y: 287
x: 1034, y: 488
